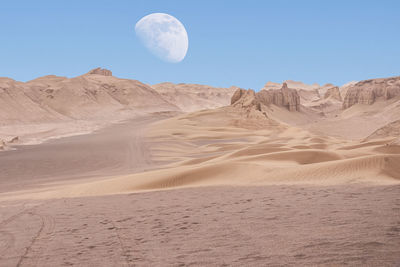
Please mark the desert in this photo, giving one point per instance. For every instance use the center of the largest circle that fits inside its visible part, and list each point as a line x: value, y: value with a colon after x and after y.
x: 277, y: 176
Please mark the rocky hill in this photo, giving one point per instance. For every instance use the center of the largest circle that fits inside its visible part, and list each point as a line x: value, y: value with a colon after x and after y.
x: 96, y: 94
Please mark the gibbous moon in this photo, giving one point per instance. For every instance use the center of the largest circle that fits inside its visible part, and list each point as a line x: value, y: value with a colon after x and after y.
x: 164, y: 36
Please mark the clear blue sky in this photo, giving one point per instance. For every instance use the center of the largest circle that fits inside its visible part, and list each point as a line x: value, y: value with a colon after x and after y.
x: 243, y: 43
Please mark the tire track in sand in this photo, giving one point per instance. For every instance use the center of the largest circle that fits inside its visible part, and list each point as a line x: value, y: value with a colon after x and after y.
x: 46, y: 229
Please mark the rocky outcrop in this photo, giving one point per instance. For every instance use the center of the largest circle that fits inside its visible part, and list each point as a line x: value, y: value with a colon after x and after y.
x: 309, y: 93
x: 245, y: 99
x: 307, y: 96
x: 293, y: 85
x: 100, y: 71
x: 333, y: 92
x: 284, y: 97
x: 238, y: 94
x: 14, y: 140
x: 4, y: 145
x: 368, y: 91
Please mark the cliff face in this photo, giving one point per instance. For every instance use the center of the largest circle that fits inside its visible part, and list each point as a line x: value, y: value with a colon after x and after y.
x: 245, y: 99
x: 284, y: 97
x: 368, y: 91
x: 290, y: 98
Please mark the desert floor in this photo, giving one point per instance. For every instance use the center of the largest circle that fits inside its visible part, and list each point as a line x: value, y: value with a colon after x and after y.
x: 253, y: 226
x: 119, y: 148
x: 195, y: 190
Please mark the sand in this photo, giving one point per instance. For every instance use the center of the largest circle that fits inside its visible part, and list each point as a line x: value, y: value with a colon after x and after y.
x: 258, y: 225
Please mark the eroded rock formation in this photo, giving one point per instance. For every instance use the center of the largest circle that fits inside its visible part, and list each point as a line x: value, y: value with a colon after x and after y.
x: 100, y: 71
x: 333, y: 92
x: 284, y: 97
x: 368, y: 91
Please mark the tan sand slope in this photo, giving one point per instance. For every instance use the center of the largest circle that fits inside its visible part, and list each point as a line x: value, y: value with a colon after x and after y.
x: 391, y: 129
x: 274, y: 155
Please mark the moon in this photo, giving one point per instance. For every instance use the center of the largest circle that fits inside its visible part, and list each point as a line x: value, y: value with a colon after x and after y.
x: 164, y: 36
